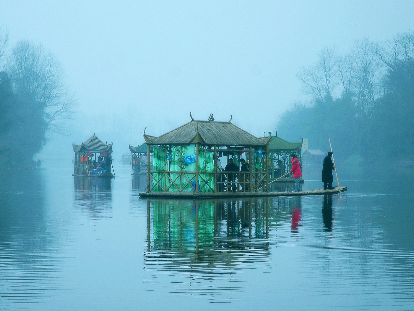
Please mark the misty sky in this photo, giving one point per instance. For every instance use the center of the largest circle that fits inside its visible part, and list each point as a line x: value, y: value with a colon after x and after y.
x: 149, y: 63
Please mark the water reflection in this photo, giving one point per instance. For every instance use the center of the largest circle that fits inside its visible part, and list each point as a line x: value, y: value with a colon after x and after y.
x: 296, y: 214
x: 327, y: 213
x: 282, y: 186
x: 94, y: 195
x: 26, y: 245
x: 92, y: 183
x: 139, y: 182
x: 213, y: 239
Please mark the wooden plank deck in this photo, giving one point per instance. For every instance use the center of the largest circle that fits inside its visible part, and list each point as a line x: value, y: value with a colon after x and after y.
x: 200, y: 195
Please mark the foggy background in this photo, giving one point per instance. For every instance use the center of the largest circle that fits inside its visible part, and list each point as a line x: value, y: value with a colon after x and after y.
x: 136, y: 64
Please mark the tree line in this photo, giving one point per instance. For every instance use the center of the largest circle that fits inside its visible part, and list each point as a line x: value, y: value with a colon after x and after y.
x: 363, y: 101
x: 33, y: 101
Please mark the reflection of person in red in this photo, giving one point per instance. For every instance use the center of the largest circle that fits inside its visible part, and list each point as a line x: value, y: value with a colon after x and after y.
x: 296, y: 219
x: 296, y: 214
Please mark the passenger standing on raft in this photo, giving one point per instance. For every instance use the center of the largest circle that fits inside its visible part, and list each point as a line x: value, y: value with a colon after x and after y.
x: 232, y: 168
x: 328, y: 166
x: 296, y: 171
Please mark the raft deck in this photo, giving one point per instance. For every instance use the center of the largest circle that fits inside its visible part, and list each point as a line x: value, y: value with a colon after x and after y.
x: 200, y: 195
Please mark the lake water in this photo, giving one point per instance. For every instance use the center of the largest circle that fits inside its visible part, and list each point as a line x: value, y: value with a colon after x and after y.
x: 70, y: 244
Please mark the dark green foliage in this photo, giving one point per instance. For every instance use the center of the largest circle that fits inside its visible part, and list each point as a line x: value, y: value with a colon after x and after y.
x: 31, y: 100
x: 393, y: 120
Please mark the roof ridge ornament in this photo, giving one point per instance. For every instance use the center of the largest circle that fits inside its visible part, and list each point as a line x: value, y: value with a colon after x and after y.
x: 211, y: 117
x: 192, y: 119
x: 231, y: 117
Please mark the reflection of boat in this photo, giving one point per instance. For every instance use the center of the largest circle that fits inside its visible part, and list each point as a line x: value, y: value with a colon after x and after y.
x: 93, y: 158
x: 194, y: 231
x: 207, y: 195
x: 88, y: 183
x: 212, y: 238
x: 139, y: 182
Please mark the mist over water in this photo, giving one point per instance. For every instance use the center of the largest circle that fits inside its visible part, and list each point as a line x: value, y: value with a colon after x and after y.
x: 69, y: 243
x: 94, y: 244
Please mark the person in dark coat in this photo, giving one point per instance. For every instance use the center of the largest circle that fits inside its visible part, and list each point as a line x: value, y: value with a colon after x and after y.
x: 328, y: 166
x: 231, y: 168
x: 244, y: 179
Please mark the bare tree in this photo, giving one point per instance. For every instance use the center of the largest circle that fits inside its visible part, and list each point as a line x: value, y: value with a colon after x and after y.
x: 322, y: 79
x: 4, y: 40
x: 400, y: 49
x: 37, y: 79
x: 367, y: 72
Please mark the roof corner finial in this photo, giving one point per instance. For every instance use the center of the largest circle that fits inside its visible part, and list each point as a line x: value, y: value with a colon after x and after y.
x: 231, y: 117
x: 192, y: 119
x: 211, y: 117
x: 144, y: 130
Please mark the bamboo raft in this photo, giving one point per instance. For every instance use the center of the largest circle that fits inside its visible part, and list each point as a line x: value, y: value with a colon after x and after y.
x: 201, y: 195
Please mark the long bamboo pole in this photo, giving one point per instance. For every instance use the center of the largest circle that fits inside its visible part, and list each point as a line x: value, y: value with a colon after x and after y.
x: 333, y: 160
x: 279, y: 178
x: 275, y: 180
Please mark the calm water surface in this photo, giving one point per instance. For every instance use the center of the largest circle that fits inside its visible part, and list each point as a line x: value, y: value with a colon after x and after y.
x: 75, y: 244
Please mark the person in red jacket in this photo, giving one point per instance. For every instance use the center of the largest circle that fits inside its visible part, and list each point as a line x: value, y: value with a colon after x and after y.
x: 296, y: 171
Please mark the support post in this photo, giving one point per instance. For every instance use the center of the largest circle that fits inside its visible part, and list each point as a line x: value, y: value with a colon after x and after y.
x: 267, y: 170
x: 197, y: 163
x: 215, y: 160
x: 148, y: 168
x: 250, y: 169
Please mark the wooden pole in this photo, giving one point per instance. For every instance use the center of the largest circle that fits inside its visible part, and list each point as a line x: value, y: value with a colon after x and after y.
x: 267, y: 169
x: 215, y: 160
x: 333, y: 161
x: 279, y: 178
x: 197, y: 162
x: 148, y: 168
x: 276, y: 179
x: 250, y: 169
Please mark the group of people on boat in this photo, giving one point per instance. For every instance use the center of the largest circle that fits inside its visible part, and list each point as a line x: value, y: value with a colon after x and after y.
x: 327, y: 168
x: 232, y: 180
x: 93, y: 166
x: 237, y: 177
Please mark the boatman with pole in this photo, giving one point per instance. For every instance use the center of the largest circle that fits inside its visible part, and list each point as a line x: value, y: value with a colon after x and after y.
x: 328, y: 166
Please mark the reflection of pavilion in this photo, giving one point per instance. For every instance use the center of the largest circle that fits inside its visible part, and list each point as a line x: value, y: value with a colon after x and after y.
x: 211, y: 237
x: 139, y: 182
x: 87, y: 183
x: 93, y: 195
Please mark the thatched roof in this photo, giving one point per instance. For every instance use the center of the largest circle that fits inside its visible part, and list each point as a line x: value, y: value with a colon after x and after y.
x: 93, y: 144
x: 206, y: 133
x: 277, y: 143
x: 139, y: 149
